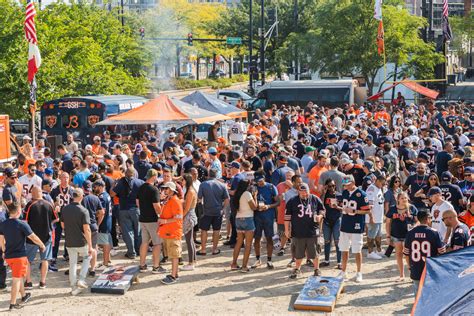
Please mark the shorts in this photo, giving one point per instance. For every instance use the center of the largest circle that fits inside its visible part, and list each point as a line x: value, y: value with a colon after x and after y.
x: 32, y: 249
x: 172, y: 248
x: 227, y: 212
x: 94, y: 236
x: 207, y: 221
x: 104, y: 239
x: 150, y: 232
x: 352, y: 240
x: 244, y: 224
x: 19, y: 266
x: 396, y: 239
x: 374, y: 230
x: 264, y: 224
x: 305, y: 247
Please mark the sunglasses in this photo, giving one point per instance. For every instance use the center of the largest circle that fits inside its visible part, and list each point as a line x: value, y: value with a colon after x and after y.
x: 12, y: 177
x: 331, y: 185
x: 32, y: 170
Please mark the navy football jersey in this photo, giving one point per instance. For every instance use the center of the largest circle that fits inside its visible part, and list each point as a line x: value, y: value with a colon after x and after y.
x: 357, y: 201
x: 432, y: 153
x: 452, y: 193
x: 421, y: 242
x: 301, y: 215
x: 460, y: 237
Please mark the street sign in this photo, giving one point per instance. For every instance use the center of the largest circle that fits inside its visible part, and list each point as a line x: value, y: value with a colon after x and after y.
x: 234, y: 40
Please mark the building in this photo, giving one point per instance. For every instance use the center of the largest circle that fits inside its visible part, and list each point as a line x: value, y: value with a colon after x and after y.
x: 133, y: 5
x: 229, y: 3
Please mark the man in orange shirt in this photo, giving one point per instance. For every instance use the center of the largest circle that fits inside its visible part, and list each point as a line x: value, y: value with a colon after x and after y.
x: 170, y: 229
x: 315, y: 173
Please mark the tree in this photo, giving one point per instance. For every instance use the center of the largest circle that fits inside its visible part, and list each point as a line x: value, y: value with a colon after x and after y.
x: 463, y: 30
x: 342, y: 40
x: 84, y: 51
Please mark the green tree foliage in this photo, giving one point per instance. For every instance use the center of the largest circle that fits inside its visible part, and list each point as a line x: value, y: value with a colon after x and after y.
x: 342, y: 40
x: 84, y: 51
x: 463, y: 30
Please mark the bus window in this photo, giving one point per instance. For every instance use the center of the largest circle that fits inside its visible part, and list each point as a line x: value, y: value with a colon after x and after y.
x: 284, y: 96
x: 71, y: 121
x: 329, y: 96
x: 258, y: 104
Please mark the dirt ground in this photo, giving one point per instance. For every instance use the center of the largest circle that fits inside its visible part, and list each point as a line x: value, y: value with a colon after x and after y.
x: 212, y: 289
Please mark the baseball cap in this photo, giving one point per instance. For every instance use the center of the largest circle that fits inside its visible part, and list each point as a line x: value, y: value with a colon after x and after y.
x: 174, y: 158
x: 152, y: 139
x: 332, y: 136
x: 369, y: 165
x: 468, y: 170
x: 460, y: 152
x: 309, y: 149
x: 347, y: 179
x: 88, y: 147
x: 446, y: 176
x: 259, y: 177
x: 345, y: 161
x: 189, y: 147
x: 151, y: 173
x: 406, y: 141
x: 283, y: 158
x: 46, y: 182
x: 267, y: 144
x: 87, y: 186
x: 433, y: 191
x: 49, y: 171
x: 370, y: 137
x: 172, y: 135
x: 424, y: 156
x: 10, y: 172
x: 355, y: 151
x: 170, y: 185
x: 212, y: 150
x: 303, y: 187
x: 235, y: 165
x: 98, y: 183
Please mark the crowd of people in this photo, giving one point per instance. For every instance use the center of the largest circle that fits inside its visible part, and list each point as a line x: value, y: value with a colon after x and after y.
x: 300, y: 179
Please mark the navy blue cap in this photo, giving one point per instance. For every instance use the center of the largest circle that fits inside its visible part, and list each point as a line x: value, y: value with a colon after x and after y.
x: 331, y: 136
x: 235, y: 165
x: 446, y: 176
x: 87, y: 185
x: 49, y: 171
x: 433, y: 191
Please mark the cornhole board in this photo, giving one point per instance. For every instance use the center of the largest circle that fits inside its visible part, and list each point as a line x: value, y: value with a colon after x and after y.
x: 319, y: 293
x: 116, y: 280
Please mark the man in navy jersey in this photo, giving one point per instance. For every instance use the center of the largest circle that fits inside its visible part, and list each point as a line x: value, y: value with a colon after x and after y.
x: 355, y: 205
x: 451, y: 192
x: 305, y: 212
x: 460, y: 232
x: 415, y: 182
x: 421, y: 242
x: 431, y: 152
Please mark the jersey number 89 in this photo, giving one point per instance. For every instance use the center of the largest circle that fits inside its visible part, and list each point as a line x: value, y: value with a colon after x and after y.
x: 420, y: 250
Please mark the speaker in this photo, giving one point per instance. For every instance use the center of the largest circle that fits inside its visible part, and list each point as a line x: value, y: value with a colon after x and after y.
x: 53, y: 142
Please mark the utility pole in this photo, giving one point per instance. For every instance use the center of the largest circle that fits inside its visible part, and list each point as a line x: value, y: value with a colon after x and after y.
x: 121, y: 16
x: 296, y: 61
x: 250, y: 48
x: 262, y: 40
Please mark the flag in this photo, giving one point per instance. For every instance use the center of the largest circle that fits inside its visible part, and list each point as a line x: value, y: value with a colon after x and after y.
x: 447, y: 34
x: 34, y: 57
x: 33, y: 91
x: 380, y: 39
x: 378, y: 10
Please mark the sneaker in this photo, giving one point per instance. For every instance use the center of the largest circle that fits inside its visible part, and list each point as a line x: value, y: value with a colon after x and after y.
x: 324, y: 264
x: 358, y: 277
x: 281, y: 252
x: 81, y: 284
x: 188, y: 267
x: 26, y: 298
x: 180, y: 261
x: 52, y: 267
x: 342, y: 275
x: 317, y: 272
x: 28, y: 285
x: 290, y: 264
x: 256, y: 264
x: 76, y: 291
x: 132, y: 257
x: 381, y: 253
x: 374, y: 255
x: 157, y: 270
x: 143, y: 268
x: 309, y: 263
x: 92, y: 273
x: 164, y: 260
x: 270, y: 265
x: 3, y: 287
x: 169, y: 280
x: 295, y: 274
x: 339, y: 266
x: 42, y: 285
x: 15, y: 306
x: 113, y: 252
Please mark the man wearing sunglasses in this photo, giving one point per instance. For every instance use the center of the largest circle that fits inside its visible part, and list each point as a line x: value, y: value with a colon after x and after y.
x: 10, y: 192
x: 29, y: 180
x: 460, y: 232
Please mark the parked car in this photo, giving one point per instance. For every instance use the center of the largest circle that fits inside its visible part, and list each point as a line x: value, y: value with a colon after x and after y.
x: 233, y: 96
x: 217, y: 74
x: 187, y: 75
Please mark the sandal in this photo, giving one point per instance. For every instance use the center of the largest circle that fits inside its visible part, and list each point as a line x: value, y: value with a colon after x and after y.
x: 218, y: 251
x: 198, y: 253
x: 245, y: 270
x: 235, y: 268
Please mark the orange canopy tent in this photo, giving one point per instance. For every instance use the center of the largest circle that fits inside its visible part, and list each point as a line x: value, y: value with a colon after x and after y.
x: 432, y: 94
x: 165, y: 110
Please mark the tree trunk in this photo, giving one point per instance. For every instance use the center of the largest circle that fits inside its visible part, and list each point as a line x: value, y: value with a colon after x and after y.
x: 198, y: 61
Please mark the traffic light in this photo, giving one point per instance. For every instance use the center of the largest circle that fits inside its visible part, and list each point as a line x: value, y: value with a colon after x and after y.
x: 190, y: 39
x: 142, y: 32
x: 271, y: 14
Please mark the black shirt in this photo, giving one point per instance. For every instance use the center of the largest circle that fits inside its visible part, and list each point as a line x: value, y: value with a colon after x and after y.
x: 74, y: 216
x: 452, y: 193
x: 301, y: 214
x: 39, y: 214
x: 256, y: 163
x: 147, y: 195
x: 332, y: 214
x: 92, y: 204
x: 400, y: 222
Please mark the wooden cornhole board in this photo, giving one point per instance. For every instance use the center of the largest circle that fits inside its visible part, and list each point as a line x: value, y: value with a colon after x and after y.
x: 116, y: 280
x: 319, y: 294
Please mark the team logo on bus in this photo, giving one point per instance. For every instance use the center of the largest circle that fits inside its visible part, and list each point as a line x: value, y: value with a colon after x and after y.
x: 93, y: 119
x: 51, y: 121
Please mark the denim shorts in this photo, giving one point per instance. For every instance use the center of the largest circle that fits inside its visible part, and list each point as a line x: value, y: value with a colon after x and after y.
x: 374, y: 230
x: 32, y: 249
x: 245, y: 224
x: 396, y: 239
x: 264, y: 224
